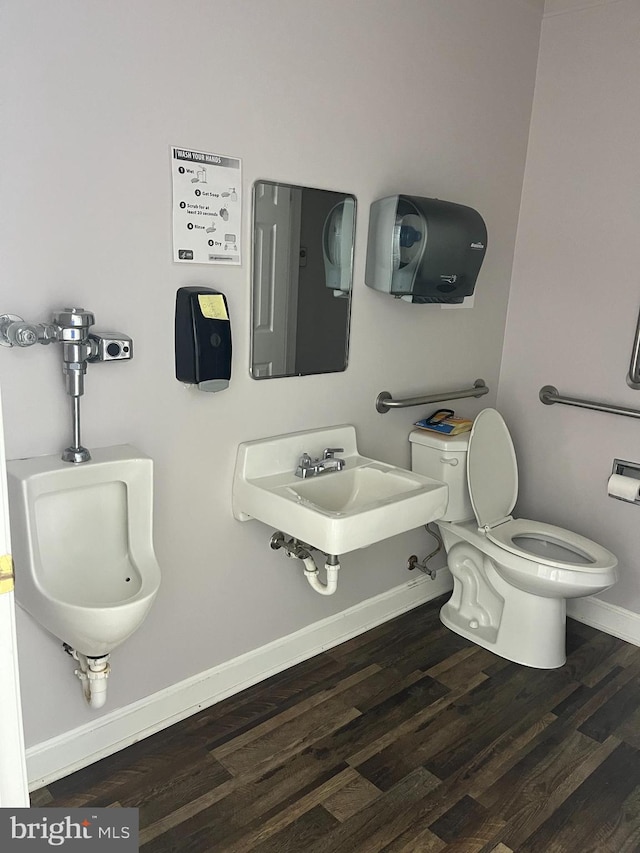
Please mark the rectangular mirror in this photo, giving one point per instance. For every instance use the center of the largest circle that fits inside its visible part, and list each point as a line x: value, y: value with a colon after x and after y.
x: 302, y: 274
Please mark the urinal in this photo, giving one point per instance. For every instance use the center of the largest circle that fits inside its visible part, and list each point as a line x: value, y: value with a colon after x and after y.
x: 82, y: 545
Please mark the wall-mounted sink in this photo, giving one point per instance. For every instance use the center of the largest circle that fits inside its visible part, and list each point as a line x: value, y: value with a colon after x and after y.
x: 336, y: 511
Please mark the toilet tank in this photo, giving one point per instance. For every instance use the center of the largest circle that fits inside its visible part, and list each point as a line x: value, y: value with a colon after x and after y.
x: 444, y: 457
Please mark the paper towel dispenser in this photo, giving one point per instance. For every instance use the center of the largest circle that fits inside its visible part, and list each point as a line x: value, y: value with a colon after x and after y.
x: 337, y: 246
x: 424, y: 250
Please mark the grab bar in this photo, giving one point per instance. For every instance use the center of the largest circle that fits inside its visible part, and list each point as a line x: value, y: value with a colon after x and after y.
x: 633, y: 377
x: 550, y: 395
x: 384, y: 400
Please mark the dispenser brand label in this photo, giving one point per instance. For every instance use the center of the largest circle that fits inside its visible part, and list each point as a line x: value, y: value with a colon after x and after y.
x: 83, y: 830
x: 207, y: 207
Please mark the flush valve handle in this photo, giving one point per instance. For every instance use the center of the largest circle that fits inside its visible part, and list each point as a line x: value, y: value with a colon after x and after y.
x: 329, y: 452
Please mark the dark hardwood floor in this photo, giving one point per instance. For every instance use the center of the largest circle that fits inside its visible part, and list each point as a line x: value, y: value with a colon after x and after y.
x: 405, y: 739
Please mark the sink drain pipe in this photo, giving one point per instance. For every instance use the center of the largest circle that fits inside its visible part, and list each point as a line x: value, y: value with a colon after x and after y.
x: 332, y: 566
x: 93, y: 673
x: 295, y: 549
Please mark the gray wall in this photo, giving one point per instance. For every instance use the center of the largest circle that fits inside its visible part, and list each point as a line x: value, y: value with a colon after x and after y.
x: 378, y: 97
x: 575, y: 293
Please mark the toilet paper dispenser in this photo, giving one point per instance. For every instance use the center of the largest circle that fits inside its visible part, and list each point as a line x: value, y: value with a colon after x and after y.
x: 624, y: 482
x: 424, y: 250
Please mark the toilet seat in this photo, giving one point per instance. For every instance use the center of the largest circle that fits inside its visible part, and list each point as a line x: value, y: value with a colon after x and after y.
x: 551, y: 545
x: 492, y: 476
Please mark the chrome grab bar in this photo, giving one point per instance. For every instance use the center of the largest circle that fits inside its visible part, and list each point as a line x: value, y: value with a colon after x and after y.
x: 384, y: 400
x: 550, y: 395
x: 633, y: 377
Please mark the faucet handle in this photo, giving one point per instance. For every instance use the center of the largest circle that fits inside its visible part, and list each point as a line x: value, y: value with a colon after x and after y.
x: 328, y: 452
x: 305, y: 465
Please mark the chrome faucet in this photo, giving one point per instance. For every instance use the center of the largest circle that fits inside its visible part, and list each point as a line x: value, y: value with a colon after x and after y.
x: 308, y: 467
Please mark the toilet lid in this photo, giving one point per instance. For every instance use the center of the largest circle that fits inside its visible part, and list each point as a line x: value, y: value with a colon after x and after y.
x: 492, y: 470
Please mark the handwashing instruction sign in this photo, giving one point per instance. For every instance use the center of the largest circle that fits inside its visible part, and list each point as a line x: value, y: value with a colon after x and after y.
x: 207, y: 207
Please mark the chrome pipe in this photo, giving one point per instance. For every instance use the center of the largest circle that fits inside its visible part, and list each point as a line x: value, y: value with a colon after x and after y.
x: 76, y: 453
x: 384, y: 400
x: 76, y: 421
x: 633, y: 377
x: 550, y: 395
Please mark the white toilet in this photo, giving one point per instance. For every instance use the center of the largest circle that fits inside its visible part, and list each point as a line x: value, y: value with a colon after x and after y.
x: 82, y: 545
x: 511, y: 577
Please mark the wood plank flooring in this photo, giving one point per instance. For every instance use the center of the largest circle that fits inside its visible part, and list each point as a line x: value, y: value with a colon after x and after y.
x: 406, y: 739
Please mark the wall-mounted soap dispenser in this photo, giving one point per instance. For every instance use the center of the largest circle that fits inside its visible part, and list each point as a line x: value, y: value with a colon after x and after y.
x: 202, y: 338
x: 424, y: 250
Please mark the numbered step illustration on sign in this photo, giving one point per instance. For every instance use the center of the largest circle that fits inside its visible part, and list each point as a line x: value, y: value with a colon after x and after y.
x: 207, y: 207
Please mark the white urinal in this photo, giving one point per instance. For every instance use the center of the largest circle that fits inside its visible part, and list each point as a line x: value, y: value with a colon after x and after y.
x: 82, y: 545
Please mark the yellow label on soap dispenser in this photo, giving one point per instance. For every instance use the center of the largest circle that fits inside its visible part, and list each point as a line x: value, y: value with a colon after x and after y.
x: 6, y: 574
x: 212, y: 306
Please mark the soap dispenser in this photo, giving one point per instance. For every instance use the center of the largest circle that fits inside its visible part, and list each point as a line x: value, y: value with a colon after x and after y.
x: 424, y: 250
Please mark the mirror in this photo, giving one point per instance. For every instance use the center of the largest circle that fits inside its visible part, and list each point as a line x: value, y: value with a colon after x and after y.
x: 302, y: 274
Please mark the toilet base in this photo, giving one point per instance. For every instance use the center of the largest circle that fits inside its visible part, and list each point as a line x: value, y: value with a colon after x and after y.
x: 531, y: 630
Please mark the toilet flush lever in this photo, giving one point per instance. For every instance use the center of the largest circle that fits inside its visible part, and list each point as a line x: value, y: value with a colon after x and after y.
x: 446, y: 461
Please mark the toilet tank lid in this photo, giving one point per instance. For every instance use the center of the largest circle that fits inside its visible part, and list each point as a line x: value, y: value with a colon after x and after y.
x: 450, y: 443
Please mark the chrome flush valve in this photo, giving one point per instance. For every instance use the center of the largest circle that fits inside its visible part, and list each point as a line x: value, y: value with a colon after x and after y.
x: 73, y: 334
x: 70, y: 327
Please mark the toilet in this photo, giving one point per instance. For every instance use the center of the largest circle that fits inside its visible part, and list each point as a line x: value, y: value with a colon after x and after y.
x: 511, y: 576
x: 82, y: 545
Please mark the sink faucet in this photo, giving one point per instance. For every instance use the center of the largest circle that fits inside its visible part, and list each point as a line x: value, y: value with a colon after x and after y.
x: 308, y: 467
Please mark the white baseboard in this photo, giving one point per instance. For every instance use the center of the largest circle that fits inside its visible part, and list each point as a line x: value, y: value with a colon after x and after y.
x: 609, y: 618
x: 57, y: 757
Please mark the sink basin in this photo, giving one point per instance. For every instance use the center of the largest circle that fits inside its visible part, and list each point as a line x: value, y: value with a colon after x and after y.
x: 336, y: 511
x: 353, y: 490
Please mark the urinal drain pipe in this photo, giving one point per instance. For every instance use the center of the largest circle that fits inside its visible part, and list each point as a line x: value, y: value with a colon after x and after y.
x: 93, y: 674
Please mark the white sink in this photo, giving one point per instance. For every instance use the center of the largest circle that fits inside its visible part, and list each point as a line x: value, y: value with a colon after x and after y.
x: 355, y: 488
x: 336, y: 511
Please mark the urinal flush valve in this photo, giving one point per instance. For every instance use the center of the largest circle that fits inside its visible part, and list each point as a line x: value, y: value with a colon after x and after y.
x: 71, y: 328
